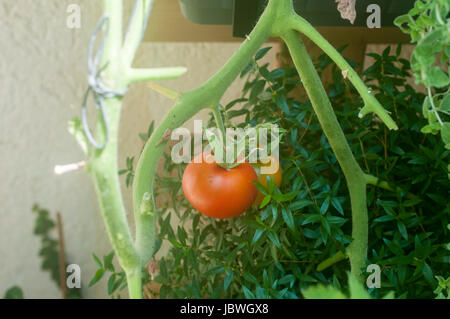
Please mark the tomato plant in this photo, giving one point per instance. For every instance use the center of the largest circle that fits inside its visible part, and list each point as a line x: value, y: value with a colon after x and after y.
x: 318, y: 216
x: 216, y: 191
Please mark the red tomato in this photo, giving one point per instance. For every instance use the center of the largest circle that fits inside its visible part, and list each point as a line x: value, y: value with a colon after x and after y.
x: 219, y: 192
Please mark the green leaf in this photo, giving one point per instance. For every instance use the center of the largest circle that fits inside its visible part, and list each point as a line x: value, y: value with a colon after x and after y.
x: 299, y: 204
x: 257, y: 235
x: 107, y: 261
x: 337, y: 205
x: 248, y: 294
x: 285, y: 197
x: 325, y: 205
x: 261, y: 53
x: 402, y: 230
x: 438, y: 78
x: 111, y: 284
x: 265, y: 201
x: 445, y: 132
x: 97, y: 261
x: 228, y: 279
x: 445, y: 103
x: 274, y: 238
x: 289, y: 219
x: 98, y: 275
x: 428, y: 274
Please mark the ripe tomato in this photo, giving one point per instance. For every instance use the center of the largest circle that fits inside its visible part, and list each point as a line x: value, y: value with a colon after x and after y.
x: 262, y: 178
x: 219, y: 192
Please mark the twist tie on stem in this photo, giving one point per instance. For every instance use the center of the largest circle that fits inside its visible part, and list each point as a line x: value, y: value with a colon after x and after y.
x: 99, y: 90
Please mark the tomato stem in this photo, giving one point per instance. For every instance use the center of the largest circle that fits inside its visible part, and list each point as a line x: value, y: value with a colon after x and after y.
x: 352, y: 171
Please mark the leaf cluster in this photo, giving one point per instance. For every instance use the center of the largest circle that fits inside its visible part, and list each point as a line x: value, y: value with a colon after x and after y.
x: 428, y: 25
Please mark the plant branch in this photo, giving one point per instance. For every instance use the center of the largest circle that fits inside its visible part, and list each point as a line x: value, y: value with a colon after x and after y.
x: 136, y: 30
x: 102, y: 164
x: 371, y: 104
x: 144, y: 75
x: 330, y: 125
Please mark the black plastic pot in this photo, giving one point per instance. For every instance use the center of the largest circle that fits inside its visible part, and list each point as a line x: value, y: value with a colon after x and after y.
x: 243, y: 14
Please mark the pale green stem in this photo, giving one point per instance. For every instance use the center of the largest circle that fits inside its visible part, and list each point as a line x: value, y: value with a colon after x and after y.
x: 134, y: 36
x: 331, y: 261
x: 372, y: 180
x: 330, y: 125
x: 144, y: 75
x: 103, y: 165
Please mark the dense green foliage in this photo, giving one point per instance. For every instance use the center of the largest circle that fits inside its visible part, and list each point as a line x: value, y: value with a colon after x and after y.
x: 273, y: 252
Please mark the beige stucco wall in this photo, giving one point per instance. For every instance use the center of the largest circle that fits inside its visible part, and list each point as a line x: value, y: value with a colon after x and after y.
x: 42, y: 81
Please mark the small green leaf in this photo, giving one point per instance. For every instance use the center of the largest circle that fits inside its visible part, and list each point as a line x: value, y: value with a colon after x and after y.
x: 402, y: 230
x: 265, y: 201
x: 98, y: 275
x: 438, y: 78
x: 97, y: 261
x: 107, y: 261
x: 248, y: 294
x: 111, y: 284
x: 289, y: 219
x: 261, y: 53
x: 445, y: 132
x: 257, y: 235
x: 228, y: 279
x: 274, y: 238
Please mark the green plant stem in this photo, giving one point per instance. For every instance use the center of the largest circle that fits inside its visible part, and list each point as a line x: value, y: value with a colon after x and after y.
x: 372, y: 180
x: 330, y: 125
x: 135, y: 31
x: 331, y: 261
x: 143, y: 75
x: 219, y: 121
x: 371, y: 104
x: 102, y: 164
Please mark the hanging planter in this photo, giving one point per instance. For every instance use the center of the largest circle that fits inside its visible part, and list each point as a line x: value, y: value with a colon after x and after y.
x: 243, y: 14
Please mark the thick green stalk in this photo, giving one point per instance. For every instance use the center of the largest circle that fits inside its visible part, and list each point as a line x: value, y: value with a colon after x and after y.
x: 135, y: 30
x: 102, y: 164
x: 103, y: 167
x: 330, y: 125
